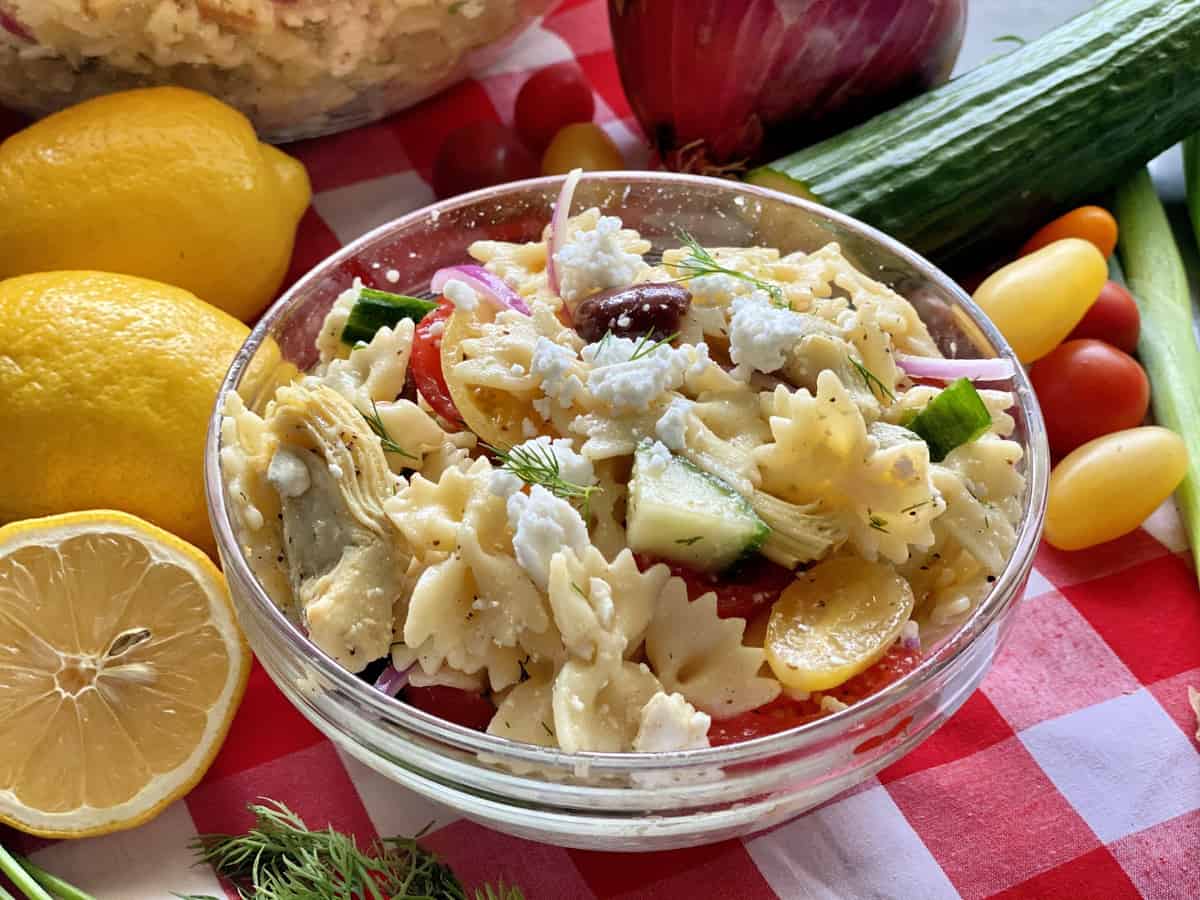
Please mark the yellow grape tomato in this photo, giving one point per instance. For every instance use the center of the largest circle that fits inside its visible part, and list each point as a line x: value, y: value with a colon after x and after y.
x: 1037, y: 300
x: 834, y: 621
x: 584, y: 145
x: 1108, y: 487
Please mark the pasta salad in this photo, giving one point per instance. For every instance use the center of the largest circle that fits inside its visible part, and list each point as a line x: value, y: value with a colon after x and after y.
x: 591, y: 498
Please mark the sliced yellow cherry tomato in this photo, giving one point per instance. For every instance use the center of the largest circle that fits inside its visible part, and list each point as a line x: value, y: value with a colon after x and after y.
x: 1037, y: 300
x: 1108, y: 487
x: 834, y: 621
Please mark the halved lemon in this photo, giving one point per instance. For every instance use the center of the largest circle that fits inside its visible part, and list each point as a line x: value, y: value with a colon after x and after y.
x: 121, y: 666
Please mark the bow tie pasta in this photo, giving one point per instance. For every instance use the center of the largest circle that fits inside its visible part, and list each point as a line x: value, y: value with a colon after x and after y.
x: 635, y: 506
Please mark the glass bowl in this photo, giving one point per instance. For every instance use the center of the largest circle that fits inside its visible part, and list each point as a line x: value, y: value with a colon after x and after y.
x: 298, y: 68
x: 614, y: 801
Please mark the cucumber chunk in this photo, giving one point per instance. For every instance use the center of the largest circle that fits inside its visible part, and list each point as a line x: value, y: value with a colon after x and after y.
x: 374, y: 308
x: 680, y: 513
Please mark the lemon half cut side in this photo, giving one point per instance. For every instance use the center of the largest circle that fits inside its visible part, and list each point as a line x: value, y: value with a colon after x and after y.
x: 121, y: 667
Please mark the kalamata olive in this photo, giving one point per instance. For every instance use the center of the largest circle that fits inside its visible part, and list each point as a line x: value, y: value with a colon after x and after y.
x: 633, y: 311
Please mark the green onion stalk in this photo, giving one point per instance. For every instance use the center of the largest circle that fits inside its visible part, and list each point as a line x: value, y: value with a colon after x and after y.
x: 1167, y: 346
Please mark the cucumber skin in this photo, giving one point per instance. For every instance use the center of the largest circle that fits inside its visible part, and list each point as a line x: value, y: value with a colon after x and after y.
x: 1003, y: 149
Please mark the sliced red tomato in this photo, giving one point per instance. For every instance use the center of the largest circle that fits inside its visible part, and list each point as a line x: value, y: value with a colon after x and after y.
x: 783, y: 712
x: 453, y: 704
x: 779, y: 715
x: 741, y: 593
x: 426, y: 363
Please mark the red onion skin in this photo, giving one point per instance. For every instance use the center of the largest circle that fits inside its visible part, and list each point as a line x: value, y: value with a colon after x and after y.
x: 10, y: 24
x: 718, y: 85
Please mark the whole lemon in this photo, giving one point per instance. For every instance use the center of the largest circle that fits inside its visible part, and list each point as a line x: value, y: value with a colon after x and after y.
x: 108, y: 382
x: 165, y: 183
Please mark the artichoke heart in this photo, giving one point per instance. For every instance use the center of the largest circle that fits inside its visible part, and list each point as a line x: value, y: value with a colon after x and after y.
x: 344, y: 558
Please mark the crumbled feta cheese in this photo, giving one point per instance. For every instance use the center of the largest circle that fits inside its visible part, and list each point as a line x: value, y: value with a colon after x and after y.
x: 551, y: 365
x: 528, y: 428
x: 288, y: 474
x: 831, y: 704
x: 571, y: 466
x: 437, y: 328
x: 700, y: 359
x: 628, y: 383
x: 713, y: 289
x: 658, y: 459
x: 910, y: 635
x: 624, y: 321
x: 671, y: 426
x: 594, y: 261
x: 461, y: 294
x: 542, y: 407
x: 392, y: 276
x: 670, y: 723
x: 516, y: 369
x: 761, y: 335
x: 335, y: 470
x: 542, y: 525
x: 504, y: 483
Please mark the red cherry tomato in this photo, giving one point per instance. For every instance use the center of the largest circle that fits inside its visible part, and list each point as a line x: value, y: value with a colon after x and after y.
x: 480, y: 155
x: 558, y: 95
x: 1113, y: 318
x: 464, y: 708
x: 783, y: 712
x: 426, y: 363
x: 1088, y: 389
x: 753, y: 585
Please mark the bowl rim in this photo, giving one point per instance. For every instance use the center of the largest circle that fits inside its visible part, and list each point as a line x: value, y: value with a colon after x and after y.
x: 1001, y: 596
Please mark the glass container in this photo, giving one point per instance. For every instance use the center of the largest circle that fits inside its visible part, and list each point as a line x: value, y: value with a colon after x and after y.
x: 627, y: 801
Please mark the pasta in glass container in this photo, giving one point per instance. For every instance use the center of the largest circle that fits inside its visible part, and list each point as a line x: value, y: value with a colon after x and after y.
x: 597, y: 499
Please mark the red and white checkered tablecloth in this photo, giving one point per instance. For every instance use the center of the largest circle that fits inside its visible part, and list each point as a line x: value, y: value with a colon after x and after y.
x: 1072, y: 773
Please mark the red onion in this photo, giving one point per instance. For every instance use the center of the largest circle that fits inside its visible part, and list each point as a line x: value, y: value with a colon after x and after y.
x: 391, y: 680
x: 953, y: 369
x: 10, y: 24
x: 720, y: 84
x: 558, y: 227
x: 484, y: 283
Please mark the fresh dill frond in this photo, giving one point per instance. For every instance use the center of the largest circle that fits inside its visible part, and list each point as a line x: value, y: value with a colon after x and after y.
x: 577, y: 589
x: 700, y: 262
x: 914, y: 507
x: 878, y: 523
x: 647, y: 345
x: 688, y: 541
x: 381, y: 432
x: 536, y: 463
x: 872, y: 381
x: 281, y: 859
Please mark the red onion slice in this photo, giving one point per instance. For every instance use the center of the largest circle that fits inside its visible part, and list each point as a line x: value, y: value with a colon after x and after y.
x: 391, y: 680
x: 953, y: 369
x: 10, y: 24
x: 558, y: 227
x: 484, y: 283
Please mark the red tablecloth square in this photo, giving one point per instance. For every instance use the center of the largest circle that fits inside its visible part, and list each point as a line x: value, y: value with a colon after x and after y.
x: 992, y: 820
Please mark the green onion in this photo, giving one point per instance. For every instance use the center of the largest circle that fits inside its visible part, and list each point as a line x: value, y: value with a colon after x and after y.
x: 21, y: 879
x: 1167, y: 346
x: 374, y: 308
x: 954, y: 417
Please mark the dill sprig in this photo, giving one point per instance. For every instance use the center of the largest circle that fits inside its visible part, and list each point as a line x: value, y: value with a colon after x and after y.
x: 700, y: 262
x: 536, y: 463
x: 647, y: 345
x: 879, y: 523
x: 872, y: 381
x: 281, y: 859
x: 381, y: 432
